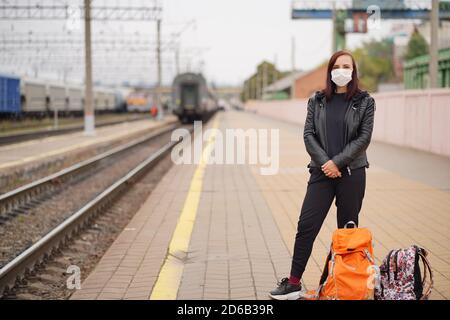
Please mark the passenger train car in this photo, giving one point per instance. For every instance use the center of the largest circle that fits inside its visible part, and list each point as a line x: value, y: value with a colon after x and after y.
x: 191, y: 97
x: 40, y: 98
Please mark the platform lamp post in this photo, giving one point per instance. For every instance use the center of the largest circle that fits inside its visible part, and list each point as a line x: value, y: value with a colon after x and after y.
x: 89, y: 118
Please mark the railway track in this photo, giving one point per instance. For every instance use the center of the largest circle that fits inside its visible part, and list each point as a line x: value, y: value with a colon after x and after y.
x: 16, y: 203
x: 10, y: 139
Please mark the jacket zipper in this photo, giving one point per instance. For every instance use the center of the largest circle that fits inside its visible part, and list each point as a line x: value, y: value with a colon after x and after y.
x: 345, y: 131
x: 345, y: 118
x: 324, y: 116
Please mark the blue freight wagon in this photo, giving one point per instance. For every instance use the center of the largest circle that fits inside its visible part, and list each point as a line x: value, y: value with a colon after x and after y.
x: 9, y: 94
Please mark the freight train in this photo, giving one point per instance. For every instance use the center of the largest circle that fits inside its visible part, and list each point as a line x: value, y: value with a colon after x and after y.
x: 31, y: 97
x: 191, y: 97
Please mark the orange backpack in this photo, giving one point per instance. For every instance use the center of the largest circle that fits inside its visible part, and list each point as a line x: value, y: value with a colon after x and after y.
x: 350, y: 272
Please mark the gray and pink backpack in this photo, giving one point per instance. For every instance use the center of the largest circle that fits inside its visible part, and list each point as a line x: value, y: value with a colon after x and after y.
x: 401, y: 275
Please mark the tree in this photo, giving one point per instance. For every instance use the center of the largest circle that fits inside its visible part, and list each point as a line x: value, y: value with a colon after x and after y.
x: 374, y: 60
x: 417, y: 45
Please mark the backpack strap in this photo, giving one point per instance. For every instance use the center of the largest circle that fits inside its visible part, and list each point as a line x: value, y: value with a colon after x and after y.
x: 427, y: 285
x: 388, y: 263
x: 323, y: 278
x: 396, y: 264
x: 388, y: 266
x: 325, y: 269
x: 346, y: 226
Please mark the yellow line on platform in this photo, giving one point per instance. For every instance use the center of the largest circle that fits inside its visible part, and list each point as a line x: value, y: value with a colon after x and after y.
x: 169, y: 278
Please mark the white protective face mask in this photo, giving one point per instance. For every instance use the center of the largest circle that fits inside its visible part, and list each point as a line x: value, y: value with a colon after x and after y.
x: 341, y: 76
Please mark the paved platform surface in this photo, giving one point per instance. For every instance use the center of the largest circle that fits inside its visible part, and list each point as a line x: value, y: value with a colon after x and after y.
x: 241, y: 225
x: 37, y: 150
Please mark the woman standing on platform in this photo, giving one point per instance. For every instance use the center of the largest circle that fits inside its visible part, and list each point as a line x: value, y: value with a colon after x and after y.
x: 337, y: 132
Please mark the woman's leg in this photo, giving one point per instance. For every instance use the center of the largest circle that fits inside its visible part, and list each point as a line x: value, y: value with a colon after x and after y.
x: 350, y: 191
x: 318, y: 199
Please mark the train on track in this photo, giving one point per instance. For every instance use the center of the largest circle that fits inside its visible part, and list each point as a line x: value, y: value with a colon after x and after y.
x: 31, y: 97
x: 140, y: 101
x: 191, y: 98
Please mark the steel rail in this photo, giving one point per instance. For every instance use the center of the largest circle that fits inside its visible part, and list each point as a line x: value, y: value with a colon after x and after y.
x: 26, y: 136
x: 20, y: 196
x: 36, y: 254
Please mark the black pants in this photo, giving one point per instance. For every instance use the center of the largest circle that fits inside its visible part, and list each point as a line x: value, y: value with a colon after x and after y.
x: 349, y: 191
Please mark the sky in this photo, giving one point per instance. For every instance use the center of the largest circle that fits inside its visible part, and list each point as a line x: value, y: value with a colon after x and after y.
x: 242, y: 33
x: 227, y: 41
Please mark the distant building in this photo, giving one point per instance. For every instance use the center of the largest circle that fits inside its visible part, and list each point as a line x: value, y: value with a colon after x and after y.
x: 296, y: 85
x: 282, y: 89
x: 416, y: 73
x: 443, y: 33
x: 290, y: 85
x: 311, y: 81
x: 399, y: 34
x: 413, y: 74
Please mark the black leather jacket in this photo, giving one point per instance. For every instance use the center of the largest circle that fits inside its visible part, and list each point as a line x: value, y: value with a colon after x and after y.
x: 359, y: 120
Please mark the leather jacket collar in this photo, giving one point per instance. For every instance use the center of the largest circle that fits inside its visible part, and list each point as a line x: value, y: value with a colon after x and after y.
x: 356, y: 99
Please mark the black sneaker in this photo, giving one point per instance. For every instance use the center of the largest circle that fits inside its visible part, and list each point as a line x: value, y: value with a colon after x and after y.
x: 286, y: 291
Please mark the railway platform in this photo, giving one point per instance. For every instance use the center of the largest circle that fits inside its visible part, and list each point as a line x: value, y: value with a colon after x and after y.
x: 226, y: 231
x: 42, y: 154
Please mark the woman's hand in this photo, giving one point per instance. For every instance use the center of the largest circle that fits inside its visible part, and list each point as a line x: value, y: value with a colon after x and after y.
x: 331, y: 170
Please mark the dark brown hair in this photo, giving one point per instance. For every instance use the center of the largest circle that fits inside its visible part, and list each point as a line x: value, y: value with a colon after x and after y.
x: 352, y: 86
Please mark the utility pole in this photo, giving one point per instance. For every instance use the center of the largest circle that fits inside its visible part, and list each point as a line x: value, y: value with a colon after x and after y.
x: 292, y: 93
x: 434, y: 48
x: 265, y: 75
x: 333, y: 25
x: 158, y: 57
x: 293, y: 53
x: 89, y: 120
x: 177, y: 58
x: 248, y: 87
